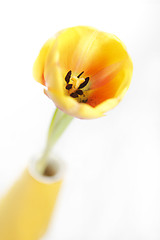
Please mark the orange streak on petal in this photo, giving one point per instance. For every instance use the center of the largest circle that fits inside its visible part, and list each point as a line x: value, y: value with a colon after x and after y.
x: 43, y: 80
x: 109, y: 90
x: 105, y: 75
x: 101, y: 94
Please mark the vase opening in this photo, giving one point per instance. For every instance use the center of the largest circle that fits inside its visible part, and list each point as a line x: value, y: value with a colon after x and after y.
x: 54, y: 171
x: 50, y: 171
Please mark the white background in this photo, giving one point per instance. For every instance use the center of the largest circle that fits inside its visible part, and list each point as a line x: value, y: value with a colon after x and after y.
x: 112, y: 184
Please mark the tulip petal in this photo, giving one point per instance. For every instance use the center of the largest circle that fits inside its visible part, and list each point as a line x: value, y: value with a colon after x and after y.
x: 107, y: 105
x: 73, y: 45
x: 72, y: 107
x: 106, y: 50
x: 38, y: 67
x: 53, y: 72
x: 114, y: 87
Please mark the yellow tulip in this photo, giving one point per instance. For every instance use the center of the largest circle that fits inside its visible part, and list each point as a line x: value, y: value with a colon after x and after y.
x: 85, y: 72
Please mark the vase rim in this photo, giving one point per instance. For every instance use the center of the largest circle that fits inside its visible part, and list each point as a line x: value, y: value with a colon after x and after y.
x: 59, y: 169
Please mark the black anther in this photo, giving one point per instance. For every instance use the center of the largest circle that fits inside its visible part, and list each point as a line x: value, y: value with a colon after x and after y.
x: 79, y: 92
x: 74, y: 95
x: 82, y: 85
x: 84, y: 101
x: 80, y: 74
x: 69, y: 86
x: 67, y: 77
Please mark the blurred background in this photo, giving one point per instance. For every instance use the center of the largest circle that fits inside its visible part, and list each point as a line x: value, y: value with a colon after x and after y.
x: 112, y: 183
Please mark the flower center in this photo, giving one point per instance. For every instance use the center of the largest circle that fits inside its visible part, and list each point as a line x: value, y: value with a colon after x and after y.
x: 75, y: 86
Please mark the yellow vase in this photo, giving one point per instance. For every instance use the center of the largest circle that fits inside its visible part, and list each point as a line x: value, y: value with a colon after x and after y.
x: 27, y: 208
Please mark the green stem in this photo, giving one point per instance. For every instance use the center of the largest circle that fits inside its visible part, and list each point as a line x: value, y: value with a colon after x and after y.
x: 59, y: 123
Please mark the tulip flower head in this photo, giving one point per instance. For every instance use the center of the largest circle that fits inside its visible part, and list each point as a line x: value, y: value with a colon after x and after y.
x: 85, y: 72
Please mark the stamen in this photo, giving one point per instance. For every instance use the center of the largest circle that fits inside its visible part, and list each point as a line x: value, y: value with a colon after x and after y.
x: 68, y: 76
x: 84, y: 101
x: 82, y: 85
x: 79, y: 92
x: 74, y: 95
x: 74, y: 85
x: 80, y: 74
x: 69, y: 86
